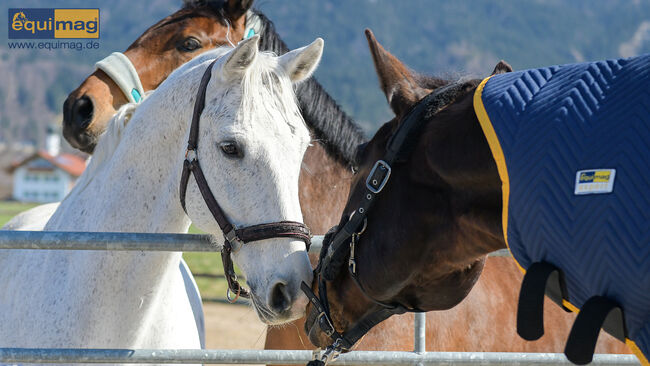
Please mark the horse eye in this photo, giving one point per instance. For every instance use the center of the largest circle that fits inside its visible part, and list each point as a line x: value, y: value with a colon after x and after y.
x: 231, y: 149
x: 190, y: 44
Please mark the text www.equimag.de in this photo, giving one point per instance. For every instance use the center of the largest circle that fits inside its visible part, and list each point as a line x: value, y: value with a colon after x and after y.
x: 55, y: 45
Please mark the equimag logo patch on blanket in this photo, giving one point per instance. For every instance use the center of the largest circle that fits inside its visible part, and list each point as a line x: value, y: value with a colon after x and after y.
x: 594, y: 181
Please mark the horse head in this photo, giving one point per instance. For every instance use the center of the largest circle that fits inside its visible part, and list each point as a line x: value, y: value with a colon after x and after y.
x: 423, y: 243
x: 197, y: 27
x: 251, y: 142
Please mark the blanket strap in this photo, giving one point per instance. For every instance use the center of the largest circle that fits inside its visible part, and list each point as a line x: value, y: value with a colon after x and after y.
x: 597, y: 312
x: 541, y: 278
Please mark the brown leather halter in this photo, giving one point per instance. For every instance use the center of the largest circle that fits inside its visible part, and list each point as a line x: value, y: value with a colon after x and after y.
x: 234, y: 237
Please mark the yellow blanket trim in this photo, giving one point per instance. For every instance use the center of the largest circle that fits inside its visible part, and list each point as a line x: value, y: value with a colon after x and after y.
x: 497, y: 154
x: 499, y: 158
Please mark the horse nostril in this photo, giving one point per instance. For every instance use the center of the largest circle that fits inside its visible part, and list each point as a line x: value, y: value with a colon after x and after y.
x: 81, y: 112
x: 280, y: 299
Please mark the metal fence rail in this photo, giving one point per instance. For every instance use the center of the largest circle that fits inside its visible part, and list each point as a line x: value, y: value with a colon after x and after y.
x: 72, y: 240
x: 78, y: 240
x: 180, y: 356
x: 204, y: 243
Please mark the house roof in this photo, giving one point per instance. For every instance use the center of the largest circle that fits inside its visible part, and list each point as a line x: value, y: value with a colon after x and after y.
x: 69, y: 163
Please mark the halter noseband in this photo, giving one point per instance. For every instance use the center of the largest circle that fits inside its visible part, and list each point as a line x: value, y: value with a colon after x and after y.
x: 335, y: 245
x: 234, y: 237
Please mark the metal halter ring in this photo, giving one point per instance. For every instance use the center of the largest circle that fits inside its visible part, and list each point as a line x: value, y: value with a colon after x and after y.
x: 365, y: 223
x: 228, y: 293
x: 193, y: 154
x: 363, y: 229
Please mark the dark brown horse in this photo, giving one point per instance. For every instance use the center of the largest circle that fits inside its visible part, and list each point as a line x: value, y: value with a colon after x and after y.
x: 432, y: 225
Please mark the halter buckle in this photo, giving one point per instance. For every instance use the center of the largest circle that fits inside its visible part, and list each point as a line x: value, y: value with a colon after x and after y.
x: 373, y: 184
x: 190, y: 154
x: 233, y: 239
x: 324, y: 321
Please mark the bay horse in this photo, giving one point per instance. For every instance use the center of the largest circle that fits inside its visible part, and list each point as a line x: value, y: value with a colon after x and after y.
x: 435, y: 216
x: 251, y: 140
x: 324, y: 177
x: 202, y: 25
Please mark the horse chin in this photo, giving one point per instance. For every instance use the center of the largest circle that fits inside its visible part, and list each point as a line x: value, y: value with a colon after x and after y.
x: 269, y: 317
x: 315, y: 334
x: 85, y: 141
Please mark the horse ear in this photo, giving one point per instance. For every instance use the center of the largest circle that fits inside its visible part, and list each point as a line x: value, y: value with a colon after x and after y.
x: 241, y: 57
x: 235, y: 9
x: 395, y: 79
x: 300, y: 63
x: 501, y: 68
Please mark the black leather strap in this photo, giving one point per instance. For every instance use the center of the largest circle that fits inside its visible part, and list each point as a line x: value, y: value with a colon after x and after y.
x: 402, y: 142
x: 581, y: 343
x: 199, y: 104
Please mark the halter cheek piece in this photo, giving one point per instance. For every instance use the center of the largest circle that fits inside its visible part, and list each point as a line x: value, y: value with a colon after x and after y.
x: 234, y: 237
x: 340, y: 243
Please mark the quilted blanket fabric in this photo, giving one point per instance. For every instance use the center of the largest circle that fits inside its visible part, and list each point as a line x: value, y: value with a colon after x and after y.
x: 572, y: 144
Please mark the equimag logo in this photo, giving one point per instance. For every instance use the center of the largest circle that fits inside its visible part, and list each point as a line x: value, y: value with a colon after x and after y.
x: 594, y: 181
x: 50, y: 23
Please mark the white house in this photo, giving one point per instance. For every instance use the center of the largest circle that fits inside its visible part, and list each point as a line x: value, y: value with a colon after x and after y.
x: 46, y: 176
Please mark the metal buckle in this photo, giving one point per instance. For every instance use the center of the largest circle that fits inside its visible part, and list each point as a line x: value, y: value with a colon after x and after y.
x: 380, y: 185
x: 331, y: 330
x: 233, y: 239
x: 190, y: 155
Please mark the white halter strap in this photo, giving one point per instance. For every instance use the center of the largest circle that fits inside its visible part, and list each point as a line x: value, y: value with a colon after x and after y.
x: 120, y: 69
x: 253, y: 25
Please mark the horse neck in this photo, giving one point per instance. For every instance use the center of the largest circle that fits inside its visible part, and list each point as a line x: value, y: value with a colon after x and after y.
x: 452, y: 167
x: 329, y: 123
x: 136, y: 189
x: 471, y: 176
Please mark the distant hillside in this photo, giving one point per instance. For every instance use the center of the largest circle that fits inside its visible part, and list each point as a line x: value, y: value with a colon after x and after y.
x: 451, y: 38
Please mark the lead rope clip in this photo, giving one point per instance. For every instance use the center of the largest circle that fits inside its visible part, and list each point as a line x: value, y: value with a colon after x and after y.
x: 352, y: 263
x: 330, y: 354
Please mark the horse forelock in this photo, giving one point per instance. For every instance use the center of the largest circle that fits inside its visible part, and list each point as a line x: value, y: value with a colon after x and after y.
x: 266, y: 83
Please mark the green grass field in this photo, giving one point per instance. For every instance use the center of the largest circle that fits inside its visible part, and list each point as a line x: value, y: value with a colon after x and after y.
x: 209, y: 263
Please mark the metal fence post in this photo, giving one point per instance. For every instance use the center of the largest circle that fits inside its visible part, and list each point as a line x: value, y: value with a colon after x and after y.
x: 419, y: 334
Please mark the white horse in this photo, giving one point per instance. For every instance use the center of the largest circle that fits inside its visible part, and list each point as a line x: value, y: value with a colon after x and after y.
x: 130, y: 299
x: 37, y: 217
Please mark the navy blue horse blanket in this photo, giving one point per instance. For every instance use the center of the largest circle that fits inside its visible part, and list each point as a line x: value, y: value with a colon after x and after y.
x: 572, y: 146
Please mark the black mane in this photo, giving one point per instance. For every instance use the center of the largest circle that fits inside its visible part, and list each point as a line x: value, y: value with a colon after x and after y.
x: 330, y: 125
